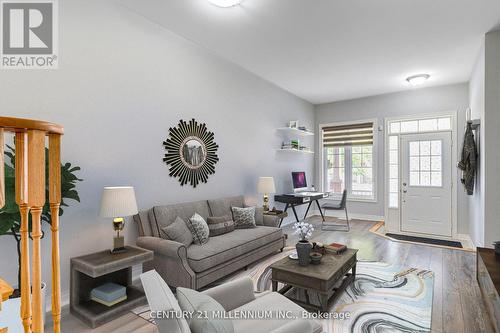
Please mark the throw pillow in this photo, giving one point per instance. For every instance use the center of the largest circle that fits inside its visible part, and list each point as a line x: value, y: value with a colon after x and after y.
x: 243, y: 217
x: 220, y: 225
x: 208, y: 314
x: 199, y: 229
x: 178, y: 232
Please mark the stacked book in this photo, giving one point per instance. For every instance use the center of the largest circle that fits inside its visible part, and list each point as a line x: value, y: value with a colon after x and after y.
x: 336, y: 248
x: 109, y: 294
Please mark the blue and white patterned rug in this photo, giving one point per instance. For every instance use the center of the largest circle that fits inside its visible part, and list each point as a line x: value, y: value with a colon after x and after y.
x: 383, y: 297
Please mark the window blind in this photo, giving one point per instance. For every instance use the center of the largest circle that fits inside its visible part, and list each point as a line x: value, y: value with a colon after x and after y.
x: 348, y: 135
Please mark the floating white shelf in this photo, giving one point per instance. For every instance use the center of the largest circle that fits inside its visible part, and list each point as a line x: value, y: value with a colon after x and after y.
x: 295, y: 131
x: 296, y: 151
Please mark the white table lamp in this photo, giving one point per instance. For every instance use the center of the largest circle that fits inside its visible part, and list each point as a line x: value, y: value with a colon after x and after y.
x: 116, y: 203
x: 266, y: 186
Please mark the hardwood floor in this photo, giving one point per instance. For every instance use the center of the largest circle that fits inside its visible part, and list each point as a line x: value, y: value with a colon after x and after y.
x: 457, y: 304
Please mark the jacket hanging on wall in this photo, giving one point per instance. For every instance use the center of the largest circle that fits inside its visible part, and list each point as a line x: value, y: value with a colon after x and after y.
x: 468, y: 163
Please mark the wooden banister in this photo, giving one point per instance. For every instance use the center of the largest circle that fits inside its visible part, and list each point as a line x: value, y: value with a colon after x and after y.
x: 21, y: 142
x: 30, y: 196
x: 55, y: 201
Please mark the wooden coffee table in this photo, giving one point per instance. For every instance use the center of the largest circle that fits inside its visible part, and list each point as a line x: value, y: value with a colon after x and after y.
x: 320, y: 279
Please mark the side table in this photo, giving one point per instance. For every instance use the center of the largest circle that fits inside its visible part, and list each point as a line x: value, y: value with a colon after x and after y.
x: 92, y: 270
x: 281, y: 216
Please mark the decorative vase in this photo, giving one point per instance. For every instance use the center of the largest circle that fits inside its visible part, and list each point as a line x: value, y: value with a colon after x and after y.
x: 303, y: 251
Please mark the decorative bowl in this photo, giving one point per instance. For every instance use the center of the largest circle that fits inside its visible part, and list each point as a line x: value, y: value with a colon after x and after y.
x: 316, y: 258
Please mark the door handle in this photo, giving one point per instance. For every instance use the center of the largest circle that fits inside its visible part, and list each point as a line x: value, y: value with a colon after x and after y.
x: 404, y: 191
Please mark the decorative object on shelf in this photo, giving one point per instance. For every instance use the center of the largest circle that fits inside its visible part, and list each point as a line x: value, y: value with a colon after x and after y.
x: 109, y: 294
x: 497, y: 247
x: 191, y: 152
x: 266, y: 186
x: 116, y: 203
x: 304, y: 230
x: 293, y: 124
x: 316, y: 258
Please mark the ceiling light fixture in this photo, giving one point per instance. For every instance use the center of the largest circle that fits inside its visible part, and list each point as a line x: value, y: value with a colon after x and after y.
x: 225, y: 3
x: 416, y: 80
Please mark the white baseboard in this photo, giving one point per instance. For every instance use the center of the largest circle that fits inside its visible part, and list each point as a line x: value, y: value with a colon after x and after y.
x: 465, y: 238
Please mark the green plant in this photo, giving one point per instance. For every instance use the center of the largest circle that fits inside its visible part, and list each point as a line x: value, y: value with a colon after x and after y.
x: 10, y: 218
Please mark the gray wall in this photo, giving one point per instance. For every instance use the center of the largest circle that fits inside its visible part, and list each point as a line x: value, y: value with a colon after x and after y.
x: 476, y: 102
x: 414, y: 102
x: 484, y: 206
x: 122, y: 82
x: 491, y: 129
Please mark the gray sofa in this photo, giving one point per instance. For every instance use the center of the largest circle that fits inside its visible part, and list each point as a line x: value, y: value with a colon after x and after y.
x: 196, y: 266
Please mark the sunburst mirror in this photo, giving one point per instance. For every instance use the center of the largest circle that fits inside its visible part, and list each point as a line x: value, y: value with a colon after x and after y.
x: 191, y: 152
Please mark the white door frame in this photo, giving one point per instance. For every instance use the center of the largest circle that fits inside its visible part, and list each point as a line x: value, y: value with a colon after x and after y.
x: 394, y: 213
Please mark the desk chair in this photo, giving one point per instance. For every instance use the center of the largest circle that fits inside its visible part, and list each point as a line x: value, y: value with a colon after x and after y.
x: 342, y: 205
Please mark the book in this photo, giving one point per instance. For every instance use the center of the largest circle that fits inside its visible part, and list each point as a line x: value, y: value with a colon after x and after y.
x: 108, y: 304
x: 109, y: 292
x: 336, y: 248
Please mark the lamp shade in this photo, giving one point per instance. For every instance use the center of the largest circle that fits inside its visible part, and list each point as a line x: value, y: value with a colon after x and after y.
x: 118, y: 202
x: 266, y: 185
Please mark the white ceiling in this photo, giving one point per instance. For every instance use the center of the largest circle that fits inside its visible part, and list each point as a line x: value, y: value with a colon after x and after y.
x: 329, y: 50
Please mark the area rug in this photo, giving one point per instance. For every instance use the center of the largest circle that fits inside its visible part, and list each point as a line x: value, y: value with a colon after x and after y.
x: 383, y: 298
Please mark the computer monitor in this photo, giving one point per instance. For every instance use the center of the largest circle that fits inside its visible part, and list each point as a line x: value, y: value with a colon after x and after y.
x: 299, y: 180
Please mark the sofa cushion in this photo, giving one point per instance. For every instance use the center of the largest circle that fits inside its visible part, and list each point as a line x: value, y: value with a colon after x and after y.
x: 229, y: 246
x: 243, y: 217
x: 270, y: 302
x: 220, y: 225
x: 178, y: 232
x: 199, y: 229
x: 222, y: 207
x: 165, y: 215
x: 208, y: 313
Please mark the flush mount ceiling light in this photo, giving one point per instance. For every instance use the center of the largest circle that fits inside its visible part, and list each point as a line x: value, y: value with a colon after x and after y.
x: 225, y: 3
x: 416, y: 80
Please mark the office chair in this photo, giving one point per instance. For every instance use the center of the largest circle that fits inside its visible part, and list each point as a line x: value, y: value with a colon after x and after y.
x: 342, y: 205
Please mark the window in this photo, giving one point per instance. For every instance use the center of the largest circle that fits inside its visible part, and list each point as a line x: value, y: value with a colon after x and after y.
x: 422, y: 125
x: 348, y: 160
x: 425, y: 163
x: 393, y: 171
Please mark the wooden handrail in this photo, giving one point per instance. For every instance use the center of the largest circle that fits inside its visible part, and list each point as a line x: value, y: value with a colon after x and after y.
x: 11, y: 124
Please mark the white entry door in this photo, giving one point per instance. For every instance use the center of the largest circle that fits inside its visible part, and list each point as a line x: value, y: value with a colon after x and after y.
x: 426, y: 201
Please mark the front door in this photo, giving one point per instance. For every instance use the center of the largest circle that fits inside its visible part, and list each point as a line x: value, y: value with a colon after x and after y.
x: 426, y: 183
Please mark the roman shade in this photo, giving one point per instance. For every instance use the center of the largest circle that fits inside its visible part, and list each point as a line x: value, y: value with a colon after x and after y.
x: 348, y: 135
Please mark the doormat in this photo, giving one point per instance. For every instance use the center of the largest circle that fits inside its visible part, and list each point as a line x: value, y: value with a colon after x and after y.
x: 425, y: 240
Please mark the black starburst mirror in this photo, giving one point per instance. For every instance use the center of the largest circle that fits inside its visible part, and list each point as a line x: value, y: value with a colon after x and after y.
x: 191, y: 152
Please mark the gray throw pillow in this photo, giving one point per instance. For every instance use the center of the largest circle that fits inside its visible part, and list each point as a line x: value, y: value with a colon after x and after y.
x: 208, y: 313
x: 199, y: 229
x: 243, y: 217
x: 178, y: 232
x: 220, y: 225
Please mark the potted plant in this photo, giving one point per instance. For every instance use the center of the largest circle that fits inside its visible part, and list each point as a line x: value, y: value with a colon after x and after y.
x: 304, y: 230
x: 10, y: 218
